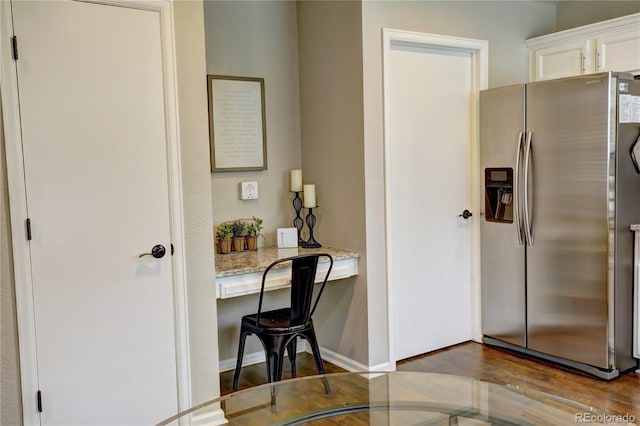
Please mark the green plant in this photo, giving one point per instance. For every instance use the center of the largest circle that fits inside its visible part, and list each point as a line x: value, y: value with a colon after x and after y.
x: 224, y: 232
x: 255, y: 227
x: 239, y: 229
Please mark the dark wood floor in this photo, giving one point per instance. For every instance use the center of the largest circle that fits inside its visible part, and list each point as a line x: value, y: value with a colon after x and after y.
x: 256, y: 374
x: 620, y: 396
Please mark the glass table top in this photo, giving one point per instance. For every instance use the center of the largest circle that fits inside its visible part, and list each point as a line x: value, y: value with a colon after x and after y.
x: 393, y: 398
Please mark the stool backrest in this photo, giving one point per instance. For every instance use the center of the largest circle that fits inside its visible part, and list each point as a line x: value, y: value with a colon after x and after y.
x: 303, y: 277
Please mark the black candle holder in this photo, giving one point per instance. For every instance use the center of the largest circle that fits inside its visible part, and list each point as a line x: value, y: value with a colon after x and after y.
x: 311, y: 223
x: 298, y: 222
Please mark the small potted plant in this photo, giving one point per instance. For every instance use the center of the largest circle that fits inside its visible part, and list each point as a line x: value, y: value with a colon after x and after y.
x: 239, y: 230
x: 253, y: 232
x: 224, y: 234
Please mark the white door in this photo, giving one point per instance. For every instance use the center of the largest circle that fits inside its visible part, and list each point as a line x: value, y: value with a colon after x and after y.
x: 429, y: 113
x: 92, y: 104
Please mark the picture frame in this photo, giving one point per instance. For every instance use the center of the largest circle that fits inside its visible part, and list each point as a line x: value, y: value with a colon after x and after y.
x: 237, y: 123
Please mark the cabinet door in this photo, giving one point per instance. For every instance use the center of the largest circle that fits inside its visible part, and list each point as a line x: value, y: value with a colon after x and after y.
x: 619, y: 51
x: 562, y: 60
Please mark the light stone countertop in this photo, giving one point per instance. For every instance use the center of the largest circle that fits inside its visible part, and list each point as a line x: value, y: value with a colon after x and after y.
x: 250, y: 262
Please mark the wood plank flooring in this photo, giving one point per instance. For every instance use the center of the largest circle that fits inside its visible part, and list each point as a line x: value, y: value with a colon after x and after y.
x: 619, y: 396
x: 256, y: 374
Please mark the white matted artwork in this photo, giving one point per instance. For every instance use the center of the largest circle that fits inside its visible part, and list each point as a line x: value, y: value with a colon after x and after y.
x: 237, y: 129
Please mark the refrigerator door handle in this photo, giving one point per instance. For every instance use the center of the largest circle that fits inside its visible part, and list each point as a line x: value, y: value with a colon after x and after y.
x: 525, y: 190
x: 516, y: 185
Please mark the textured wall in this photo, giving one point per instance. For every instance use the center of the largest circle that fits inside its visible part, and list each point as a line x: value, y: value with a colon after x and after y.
x: 259, y: 39
x: 571, y: 14
x: 198, y: 227
x: 330, y: 43
x: 10, y: 395
x: 256, y: 39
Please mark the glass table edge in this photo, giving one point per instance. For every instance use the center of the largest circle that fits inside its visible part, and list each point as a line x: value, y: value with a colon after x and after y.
x: 518, y: 389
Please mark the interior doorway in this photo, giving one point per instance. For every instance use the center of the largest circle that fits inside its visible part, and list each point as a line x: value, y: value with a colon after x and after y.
x: 431, y: 86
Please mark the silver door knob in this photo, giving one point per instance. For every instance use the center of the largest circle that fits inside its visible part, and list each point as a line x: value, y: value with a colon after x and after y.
x: 158, y: 251
x: 466, y: 214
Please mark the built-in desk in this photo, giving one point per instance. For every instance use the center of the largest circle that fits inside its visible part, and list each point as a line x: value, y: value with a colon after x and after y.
x: 239, y: 274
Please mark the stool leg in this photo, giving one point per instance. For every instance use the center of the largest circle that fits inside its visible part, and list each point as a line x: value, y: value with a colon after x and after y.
x: 291, y: 351
x: 310, y: 335
x: 236, y: 374
x: 275, y: 345
x: 274, y: 396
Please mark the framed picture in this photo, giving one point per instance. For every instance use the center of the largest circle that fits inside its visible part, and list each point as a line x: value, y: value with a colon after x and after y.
x: 237, y: 130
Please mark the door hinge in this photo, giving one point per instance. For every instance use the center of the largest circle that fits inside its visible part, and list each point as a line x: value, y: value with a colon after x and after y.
x: 39, y: 397
x: 28, y: 223
x: 14, y: 47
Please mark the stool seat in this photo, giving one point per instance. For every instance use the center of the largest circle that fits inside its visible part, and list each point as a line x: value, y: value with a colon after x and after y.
x: 277, y: 321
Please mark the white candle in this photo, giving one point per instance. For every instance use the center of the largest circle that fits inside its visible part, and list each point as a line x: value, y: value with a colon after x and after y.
x: 309, y: 196
x: 296, y: 180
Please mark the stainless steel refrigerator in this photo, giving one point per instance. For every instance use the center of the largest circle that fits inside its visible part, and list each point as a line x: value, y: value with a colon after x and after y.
x: 561, y: 190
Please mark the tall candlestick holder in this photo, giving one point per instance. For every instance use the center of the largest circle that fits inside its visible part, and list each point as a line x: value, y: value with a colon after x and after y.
x: 311, y: 223
x: 298, y: 222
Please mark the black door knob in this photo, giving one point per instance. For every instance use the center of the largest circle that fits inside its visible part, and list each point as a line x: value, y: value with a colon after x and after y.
x: 466, y: 214
x: 158, y: 251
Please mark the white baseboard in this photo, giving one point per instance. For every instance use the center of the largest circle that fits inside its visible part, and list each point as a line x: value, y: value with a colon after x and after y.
x: 254, y: 358
x: 210, y: 418
x: 341, y: 360
x: 327, y: 355
x: 248, y: 359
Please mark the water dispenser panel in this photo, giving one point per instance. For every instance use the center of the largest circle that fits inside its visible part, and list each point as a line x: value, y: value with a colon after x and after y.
x: 498, y: 194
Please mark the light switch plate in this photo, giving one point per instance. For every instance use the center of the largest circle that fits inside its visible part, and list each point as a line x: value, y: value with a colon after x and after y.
x: 287, y: 237
x: 249, y: 190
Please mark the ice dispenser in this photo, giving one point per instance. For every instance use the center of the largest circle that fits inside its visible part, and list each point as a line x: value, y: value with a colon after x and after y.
x: 498, y: 195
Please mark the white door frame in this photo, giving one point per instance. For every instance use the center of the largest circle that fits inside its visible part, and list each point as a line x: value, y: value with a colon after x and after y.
x: 478, y: 49
x: 18, y: 206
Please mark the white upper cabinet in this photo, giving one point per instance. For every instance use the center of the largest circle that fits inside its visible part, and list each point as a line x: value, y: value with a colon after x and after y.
x: 619, y: 51
x: 612, y: 45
